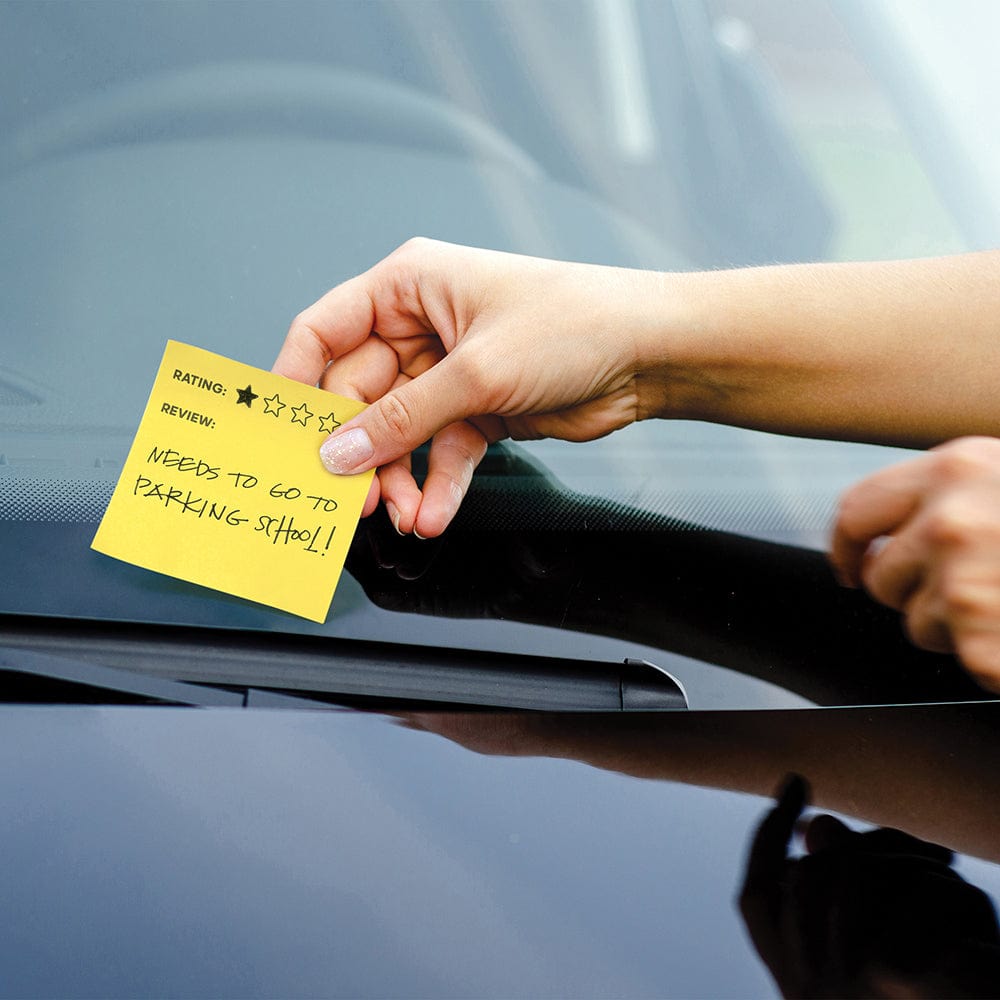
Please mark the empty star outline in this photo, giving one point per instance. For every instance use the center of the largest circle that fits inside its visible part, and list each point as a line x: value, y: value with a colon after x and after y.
x: 273, y: 404
x: 302, y: 415
x: 247, y: 396
x: 329, y: 423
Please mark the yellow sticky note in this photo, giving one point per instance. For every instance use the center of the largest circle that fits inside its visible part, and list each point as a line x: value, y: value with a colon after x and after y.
x: 223, y: 485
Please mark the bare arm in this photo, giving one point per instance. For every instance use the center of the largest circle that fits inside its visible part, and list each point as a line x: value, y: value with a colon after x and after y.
x: 900, y: 352
x: 463, y: 347
x: 467, y: 346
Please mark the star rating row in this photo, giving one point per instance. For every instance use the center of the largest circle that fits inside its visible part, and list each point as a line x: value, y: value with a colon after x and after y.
x: 300, y: 414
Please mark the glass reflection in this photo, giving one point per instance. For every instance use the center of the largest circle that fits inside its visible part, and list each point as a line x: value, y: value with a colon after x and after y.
x: 874, y: 914
x: 880, y: 913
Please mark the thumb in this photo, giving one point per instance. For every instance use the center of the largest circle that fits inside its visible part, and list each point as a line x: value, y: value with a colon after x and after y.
x: 397, y: 423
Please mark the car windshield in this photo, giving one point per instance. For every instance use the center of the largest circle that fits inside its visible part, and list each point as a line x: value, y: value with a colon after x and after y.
x: 203, y: 171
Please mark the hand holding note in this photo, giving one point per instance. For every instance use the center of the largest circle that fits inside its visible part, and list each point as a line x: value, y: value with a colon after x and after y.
x: 223, y: 486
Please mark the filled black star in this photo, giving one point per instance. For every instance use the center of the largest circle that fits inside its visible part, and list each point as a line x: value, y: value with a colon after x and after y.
x: 247, y: 396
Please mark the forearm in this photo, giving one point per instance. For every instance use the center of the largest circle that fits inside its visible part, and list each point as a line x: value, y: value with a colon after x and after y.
x: 902, y: 352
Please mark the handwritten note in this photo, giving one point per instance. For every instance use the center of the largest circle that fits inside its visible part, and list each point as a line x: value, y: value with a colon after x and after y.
x: 223, y: 485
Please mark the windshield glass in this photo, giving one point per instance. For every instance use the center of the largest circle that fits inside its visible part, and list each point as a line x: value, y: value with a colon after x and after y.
x: 202, y: 171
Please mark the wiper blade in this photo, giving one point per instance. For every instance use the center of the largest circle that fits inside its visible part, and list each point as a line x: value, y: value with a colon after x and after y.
x: 93, y: 676
x: 285, y: 666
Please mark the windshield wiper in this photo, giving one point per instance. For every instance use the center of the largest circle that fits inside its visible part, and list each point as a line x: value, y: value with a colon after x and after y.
x: 78, y: 681
x: 191, y: 666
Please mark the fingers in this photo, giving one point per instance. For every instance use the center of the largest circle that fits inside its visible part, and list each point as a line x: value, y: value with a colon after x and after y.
x: 880, y: 504
x: 367, y: 373
x: 400, y: 494
x: 938, y: 561
x: 825, y: 832
x: 371, y: 501
x: 370, y: 339
x: 454, y: 455
x: 769, y: 849
x: 875, y: 507
x: 363, y: 374
x: 978, y: 647
x: 762, y: 896
x: 331, y: 327
x: 925, y: 619
x: 892, y: 571
x: 401, y: 420
x: 902, y: 574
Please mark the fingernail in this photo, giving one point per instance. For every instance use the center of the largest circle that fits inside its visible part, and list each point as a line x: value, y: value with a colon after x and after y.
x: 416, y: 534
x: 393, y: 511
x: 343, y: 453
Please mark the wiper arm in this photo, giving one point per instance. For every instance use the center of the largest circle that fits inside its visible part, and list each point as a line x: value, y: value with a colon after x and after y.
x: 298, y: 665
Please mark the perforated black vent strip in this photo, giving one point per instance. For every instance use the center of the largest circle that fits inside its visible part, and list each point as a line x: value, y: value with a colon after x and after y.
x: 546, y: 510
x: 53, y: 500
x: 510, y: 506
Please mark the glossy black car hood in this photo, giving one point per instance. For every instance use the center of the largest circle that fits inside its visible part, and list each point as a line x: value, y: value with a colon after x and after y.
x: 177, y: 852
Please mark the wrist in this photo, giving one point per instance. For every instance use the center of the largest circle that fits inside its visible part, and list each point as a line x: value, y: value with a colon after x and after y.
x: 688, y: 353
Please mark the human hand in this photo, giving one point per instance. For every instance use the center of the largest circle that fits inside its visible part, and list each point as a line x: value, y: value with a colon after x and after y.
x: 464, y: 347
x: 880, y: 913
x: 924, y: 538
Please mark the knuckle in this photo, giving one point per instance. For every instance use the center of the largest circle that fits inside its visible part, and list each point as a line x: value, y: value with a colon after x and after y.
x: 396, y: 417
x: 464, y: 461
x: 851, y: 509
x: 302, y: 332
x: 455, y: 486
x: 964, y: 457
x: 915, y: 630
x: 925, y: 627
x: 415, y: 246
x: 461, y: 451
x: 954, y: 521
x: 980, y: 655
x: 872, y: 580
x: 961, y: 599
x: 477, y: 376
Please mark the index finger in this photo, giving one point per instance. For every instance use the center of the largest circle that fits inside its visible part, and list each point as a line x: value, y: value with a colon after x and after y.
x: 769, y: 848
x: 874, y: 507
x: 337, y: 323
x: 763, y: 890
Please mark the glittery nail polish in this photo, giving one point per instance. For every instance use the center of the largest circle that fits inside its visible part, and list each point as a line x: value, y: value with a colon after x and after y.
x: 343, y: 453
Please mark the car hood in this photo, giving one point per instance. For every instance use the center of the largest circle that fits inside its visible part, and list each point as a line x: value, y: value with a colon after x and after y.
x: 225, y: 853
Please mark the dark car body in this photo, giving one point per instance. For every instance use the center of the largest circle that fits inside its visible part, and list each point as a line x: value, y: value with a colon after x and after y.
x: 219, y: 852
x: 532, y: 757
